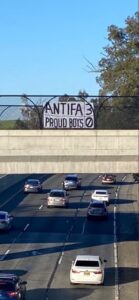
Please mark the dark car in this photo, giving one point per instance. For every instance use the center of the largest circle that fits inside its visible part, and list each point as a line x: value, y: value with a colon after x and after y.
x: 97, y: 209
x: 11, y: 287
x: 71, y: 181
x: 108, y: 178
x: 136, y: 177
x: 32, y: 186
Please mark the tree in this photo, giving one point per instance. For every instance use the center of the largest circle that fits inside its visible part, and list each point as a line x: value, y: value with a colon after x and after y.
x: 32, y: 113
x: 119, y: 66
x: 20, y: 124
x: 119, y: 72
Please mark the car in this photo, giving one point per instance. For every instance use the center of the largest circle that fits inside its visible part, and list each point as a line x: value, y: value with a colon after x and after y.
x: 57, y: 197
x: 136, y: 177
x: 71, y: 181
x: 87, y: 269
x: 32, y: 186
x: 101, y: 195
x: 6, y: 221
x: 108, y: 178
x: 97, y: 209
x: 12, y: 287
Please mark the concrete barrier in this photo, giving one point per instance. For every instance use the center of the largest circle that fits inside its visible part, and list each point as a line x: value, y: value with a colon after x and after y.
x: 65, y: 151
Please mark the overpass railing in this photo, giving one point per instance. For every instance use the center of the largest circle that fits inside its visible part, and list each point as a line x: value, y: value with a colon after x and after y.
x: 110, y: 112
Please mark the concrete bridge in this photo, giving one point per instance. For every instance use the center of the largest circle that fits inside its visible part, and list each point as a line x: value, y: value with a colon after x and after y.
x: 69, y: 151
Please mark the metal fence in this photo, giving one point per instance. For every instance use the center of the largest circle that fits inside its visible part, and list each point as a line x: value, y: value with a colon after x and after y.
x: 110, y: 112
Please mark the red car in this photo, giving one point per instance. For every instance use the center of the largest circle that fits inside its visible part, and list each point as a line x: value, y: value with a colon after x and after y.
x: 108, y: 178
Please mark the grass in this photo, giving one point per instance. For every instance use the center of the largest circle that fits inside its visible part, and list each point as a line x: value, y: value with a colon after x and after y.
x: 7, y: 124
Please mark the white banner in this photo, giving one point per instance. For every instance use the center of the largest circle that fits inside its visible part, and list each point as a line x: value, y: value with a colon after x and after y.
x: 70, y: 115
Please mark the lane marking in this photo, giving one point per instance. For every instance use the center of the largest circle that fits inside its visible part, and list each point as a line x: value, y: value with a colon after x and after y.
x: 7, y: 251
x: 41, y: 206
x: 25, y: 228
x: 84, y: 224
x: 61, y: 257
x: 4, y: 255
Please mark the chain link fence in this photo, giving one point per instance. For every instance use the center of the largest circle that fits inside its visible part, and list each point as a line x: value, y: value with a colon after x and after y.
x: 109, y: 112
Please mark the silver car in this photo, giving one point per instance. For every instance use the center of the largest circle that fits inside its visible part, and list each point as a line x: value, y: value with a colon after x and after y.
x: 71, y: 181
x: 32, y: 186
x: 57, y: 197
x: 6, y: 221
x: 96, y: 210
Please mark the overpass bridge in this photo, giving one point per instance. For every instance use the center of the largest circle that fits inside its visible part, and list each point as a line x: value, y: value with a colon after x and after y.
x: 69, y: 151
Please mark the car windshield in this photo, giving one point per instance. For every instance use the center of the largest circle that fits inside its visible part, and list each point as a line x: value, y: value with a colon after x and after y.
x: 32, y: 182
x: 101, y: 193
x: 57, y: 194
x: 87, y: 263
x: 6, y: 286
x: 2, y: 216
x: 71, y: 178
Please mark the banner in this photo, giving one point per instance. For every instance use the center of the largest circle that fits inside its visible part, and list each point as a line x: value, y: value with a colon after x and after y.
x: 71, y: 115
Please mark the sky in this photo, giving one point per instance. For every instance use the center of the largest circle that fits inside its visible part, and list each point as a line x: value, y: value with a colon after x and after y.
x: 45, y: 44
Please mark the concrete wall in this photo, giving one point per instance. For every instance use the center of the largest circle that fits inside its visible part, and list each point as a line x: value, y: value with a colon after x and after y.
x: 64, y: 151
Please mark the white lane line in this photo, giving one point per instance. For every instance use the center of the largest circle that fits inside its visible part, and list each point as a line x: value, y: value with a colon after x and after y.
x: 27, y: 225
x: 4, y: 255
x: 7, y: 251
x: 115, y: 253
x: 61, y: 257
x: 41, y: 207
x: 84, y: 224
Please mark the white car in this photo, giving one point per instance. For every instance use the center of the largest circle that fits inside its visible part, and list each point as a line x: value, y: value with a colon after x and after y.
x: 101, y: 195
x: 87, y: 269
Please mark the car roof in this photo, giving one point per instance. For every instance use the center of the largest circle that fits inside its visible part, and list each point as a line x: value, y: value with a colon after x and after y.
x: 71, y: 175
x: 100, y: 191
x: 88, y: 257
x: 58, y: 190
x: 30, y: 179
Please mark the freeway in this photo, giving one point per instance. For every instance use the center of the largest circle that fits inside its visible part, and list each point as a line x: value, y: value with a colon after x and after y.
x: 43, y: 242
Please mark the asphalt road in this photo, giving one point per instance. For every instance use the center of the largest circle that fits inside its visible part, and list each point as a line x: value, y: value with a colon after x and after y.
x: 44, y: 241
